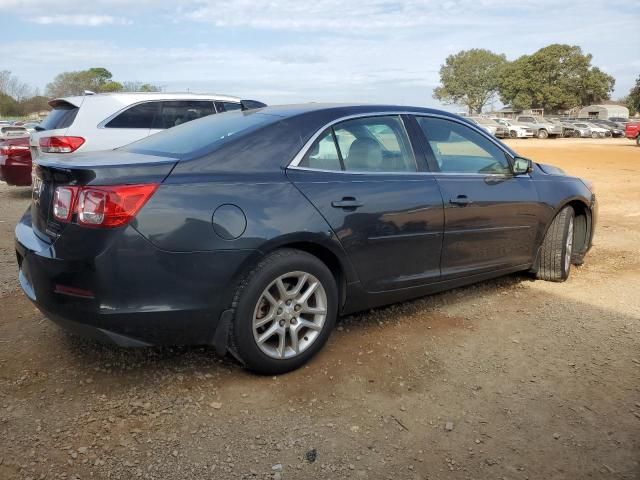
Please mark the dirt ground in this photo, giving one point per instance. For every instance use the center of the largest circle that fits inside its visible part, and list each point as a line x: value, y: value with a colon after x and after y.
x: 507, y: 379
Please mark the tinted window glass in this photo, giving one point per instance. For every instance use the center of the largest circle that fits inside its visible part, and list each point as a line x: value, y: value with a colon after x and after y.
x: 375, y: 144
x: 228, y: 106
x: 62, y: 116
x: 138, y: 116
x: 174, y: 113
x: 323, y: 154
x: 202, y: 135
x: 459, y: 149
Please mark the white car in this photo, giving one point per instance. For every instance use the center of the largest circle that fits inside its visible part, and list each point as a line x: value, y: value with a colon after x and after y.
x: 109, y: 120
x: 596, y: 131
x: 516, y: 130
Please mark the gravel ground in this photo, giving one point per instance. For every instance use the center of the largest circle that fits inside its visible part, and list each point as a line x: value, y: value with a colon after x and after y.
x: 507, y: 379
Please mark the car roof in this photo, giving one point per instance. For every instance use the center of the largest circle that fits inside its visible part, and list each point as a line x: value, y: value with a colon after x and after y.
x: 134, y: 97
x: 345, y: 109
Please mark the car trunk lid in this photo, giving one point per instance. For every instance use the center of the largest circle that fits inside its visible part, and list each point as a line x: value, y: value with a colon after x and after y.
x: 97, y: 168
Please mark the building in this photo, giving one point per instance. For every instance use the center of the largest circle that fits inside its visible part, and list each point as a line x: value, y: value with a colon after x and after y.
x: 604, y: 111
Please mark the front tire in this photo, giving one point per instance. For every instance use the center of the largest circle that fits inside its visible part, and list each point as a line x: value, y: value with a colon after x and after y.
x: 285, y: 310
x: 555, y: 256
x: 638, y: 141
x: 513, y: 134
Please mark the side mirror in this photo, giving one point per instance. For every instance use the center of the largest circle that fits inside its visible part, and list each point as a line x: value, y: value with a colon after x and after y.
x: 522, y: 166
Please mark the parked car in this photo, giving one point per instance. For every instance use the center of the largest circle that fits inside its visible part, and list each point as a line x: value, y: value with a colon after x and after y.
x: 516, y: 130
x: 632, y: 132
x: 491, y: 126
x: 596, y: 132
x: 105, y: 121
x: 613, y: 127
x: 542, y: 127
x: 5, y: 123
x: 252, y: 231
x: 580, y: 130
x: 7, y: 132
x: 15, y: 161
x: 620, y: 120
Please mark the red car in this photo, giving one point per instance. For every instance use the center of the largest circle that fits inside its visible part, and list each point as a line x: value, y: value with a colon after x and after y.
x: 15, y: 161
x: 632, y: 132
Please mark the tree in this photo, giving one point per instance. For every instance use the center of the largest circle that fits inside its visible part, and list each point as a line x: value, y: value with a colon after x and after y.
x: 139, y: 87
x: 95, y: 79
x: 554, y: 78
x: 470, y: 78
x: 9, y: 107
x: 12, y: 86
x: 632, y: 101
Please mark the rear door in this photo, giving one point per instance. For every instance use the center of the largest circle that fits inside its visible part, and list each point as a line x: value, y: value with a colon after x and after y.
x: 491, y: 216
x: 362, y: 176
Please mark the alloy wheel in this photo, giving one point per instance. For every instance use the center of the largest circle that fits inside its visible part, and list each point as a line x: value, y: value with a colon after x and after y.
x: 569, y: 246
x: 289, y: 315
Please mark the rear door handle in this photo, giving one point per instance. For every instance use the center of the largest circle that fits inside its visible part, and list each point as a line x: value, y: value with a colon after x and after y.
x: 461, y: 200
x: 346, y: 202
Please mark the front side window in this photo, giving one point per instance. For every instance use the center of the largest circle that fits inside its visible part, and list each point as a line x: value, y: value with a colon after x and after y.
x: 137, y: 116
x: 371, y: 144
x: 174, y: 113
x: 459, y: 149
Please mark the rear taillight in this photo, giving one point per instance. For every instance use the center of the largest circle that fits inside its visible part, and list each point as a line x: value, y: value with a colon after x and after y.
x: 63, y: 202
x: 101, y: 206
x: 60, y: 144
x: 9, y: 149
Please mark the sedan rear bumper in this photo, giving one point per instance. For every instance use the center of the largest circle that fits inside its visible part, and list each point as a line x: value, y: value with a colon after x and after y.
x: 131, y: 293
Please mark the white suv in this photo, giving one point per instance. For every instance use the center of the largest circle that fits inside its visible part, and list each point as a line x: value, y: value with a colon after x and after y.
x: 106, y: 121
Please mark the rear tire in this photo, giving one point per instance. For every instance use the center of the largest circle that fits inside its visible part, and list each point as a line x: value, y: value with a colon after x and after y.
x: 276, y: 329
x: 542, y: 134
x: 555, y: 256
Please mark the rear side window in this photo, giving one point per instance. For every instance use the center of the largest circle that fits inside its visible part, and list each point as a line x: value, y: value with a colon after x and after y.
x: 228, y: 106
x: 174, y: 113
x: 323, y: 154
x: 138, y: 116
x: 62, y: 116
x: 202, y: 135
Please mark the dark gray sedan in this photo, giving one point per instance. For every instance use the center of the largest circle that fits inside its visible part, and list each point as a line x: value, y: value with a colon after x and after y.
x: 252, y: 231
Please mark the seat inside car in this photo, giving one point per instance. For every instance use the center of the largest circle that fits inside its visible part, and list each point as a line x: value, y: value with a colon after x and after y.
x: 364, y: 154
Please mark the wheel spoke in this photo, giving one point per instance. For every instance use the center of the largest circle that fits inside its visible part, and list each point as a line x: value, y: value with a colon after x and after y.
x: 269, y: 298
x: 310, y: 325
x: 269, y: 333
x: 303, y: 279
x: 308, y: 292
x: 313, y: 310
x: 293, y: 333
x: 282, y: 289
x: 282, y: 336
x: 263, y: 321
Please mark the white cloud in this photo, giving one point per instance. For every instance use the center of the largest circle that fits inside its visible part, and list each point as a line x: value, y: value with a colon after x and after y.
x: 80, y: 20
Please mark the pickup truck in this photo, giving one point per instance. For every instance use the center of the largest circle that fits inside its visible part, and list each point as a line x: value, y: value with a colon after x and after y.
x: 632, y: 132
x: 542, y: 127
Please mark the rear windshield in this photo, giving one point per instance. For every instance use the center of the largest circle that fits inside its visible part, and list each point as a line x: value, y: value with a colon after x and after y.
x: 202, y: 135
x: 62, y: 116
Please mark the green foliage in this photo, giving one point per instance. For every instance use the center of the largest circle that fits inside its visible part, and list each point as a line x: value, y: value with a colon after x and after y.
x: 632, y: 101
x: 9, y: 107
x: 139, y: 87
x: 97, y: 80
x: 470, y: 78
x: 553, y: 78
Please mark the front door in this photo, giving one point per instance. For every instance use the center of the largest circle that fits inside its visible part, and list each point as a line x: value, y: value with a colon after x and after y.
x: 362, y: 176
x: 491, y: 216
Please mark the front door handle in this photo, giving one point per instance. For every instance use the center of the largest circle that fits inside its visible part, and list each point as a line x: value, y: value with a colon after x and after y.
x: 461, y: 200
x: 347, y: 203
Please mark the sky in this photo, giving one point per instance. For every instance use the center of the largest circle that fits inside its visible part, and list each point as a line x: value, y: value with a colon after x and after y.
x: 287, y: 51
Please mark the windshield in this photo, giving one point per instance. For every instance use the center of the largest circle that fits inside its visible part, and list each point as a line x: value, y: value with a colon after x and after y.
x: 202, y: 135
x: 485, y: 121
